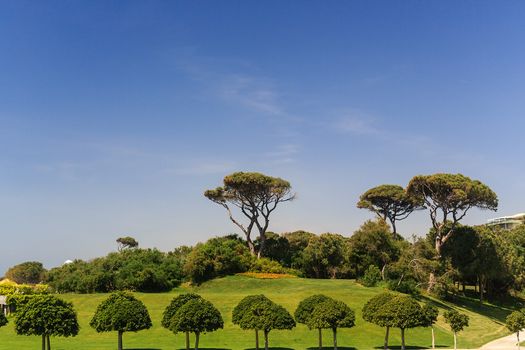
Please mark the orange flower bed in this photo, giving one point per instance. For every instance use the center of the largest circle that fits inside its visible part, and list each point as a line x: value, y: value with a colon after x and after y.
x: 270, y: 276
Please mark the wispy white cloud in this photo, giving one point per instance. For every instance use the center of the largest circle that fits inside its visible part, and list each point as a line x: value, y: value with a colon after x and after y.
x: 235, y: 82
x: 283, y: 154
x: 250, y: 92
x: 356, y: 122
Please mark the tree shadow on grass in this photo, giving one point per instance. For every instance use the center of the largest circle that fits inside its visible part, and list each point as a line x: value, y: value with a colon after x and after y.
x: 496, y: 313
x: 332, y: 348
x: 411, y: 347
x: 271, y: 348
x: 192, y: 347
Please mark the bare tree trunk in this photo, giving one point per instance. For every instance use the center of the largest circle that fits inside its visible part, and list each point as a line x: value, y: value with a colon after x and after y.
x: 120, y: 340
x: 433, y: 338
x: 43, y: 342
x: 320, y: 339
x: 431, y: 282
x: 455, y: 341
x: 265, y: 340
x: 402, y: 339
x: 48, y: 342
x: 335, y: 338
x: 197, y: 340
x: 386, y: 337
x: 518, y: 335
x: 187, y: 340
x: 393, y: 223
x: 256, y: 339
x: 262, y: 244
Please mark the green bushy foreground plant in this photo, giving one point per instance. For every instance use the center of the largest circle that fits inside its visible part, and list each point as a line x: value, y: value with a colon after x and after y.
x: 188, y: 313
x: 121, y: 312
x: 259, y: 313
x: 371, y: 277
x: 47, y: 315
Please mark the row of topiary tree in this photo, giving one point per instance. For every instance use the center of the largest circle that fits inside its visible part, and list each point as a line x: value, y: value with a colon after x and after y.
x: 47, y: 315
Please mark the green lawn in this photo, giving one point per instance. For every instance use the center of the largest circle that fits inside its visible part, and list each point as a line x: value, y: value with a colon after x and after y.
x: 225, y: 293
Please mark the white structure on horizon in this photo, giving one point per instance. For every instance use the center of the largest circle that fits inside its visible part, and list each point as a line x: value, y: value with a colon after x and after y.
x: 508, y: 222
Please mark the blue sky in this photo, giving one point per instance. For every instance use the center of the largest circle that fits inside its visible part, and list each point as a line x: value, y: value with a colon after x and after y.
x: 115, y: 116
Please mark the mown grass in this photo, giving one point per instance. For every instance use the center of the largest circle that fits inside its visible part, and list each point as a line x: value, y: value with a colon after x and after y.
x: 486, y: 321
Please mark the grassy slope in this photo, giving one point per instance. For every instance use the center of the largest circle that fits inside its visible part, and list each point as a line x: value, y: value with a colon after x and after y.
x: 225, y: 293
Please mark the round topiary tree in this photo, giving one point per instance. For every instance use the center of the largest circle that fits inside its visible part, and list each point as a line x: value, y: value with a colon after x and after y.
x: 430, y: 315
x: 457, y: 322
x: 371, y: 313
x: 244, y: 316
x: 402, y: 312
x: 515, y: 322
x: 47, y: 315
x: 260, y: 313
x: 332, y: 314
x: 121, y: 312
x: 306, y: 308
x: 173, y: 307
x: 275, y: 317
x: 197, y: 316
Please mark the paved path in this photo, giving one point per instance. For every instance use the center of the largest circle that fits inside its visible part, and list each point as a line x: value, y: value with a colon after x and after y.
x: 505, y: 343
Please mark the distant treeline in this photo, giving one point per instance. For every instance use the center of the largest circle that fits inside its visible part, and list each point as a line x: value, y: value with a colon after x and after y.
x: 491, y: 260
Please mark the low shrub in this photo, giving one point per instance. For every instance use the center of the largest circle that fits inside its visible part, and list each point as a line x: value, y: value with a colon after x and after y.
x: 371, y: 277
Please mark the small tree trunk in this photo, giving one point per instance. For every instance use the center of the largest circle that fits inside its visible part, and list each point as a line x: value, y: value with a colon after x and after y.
x: 455, y: 341
x: 120, y: 340
x: 262, y: 244
x: 433, y: 338
x: 320, y: 339
x: 256, y: 339
x: 335, y: 338
x: 187, y: 340
x: 48, y: 342
x: 251, y: 246
x: 402, y: 339
x: 43, y: 342
x: 265, y: 340
x: 386, y: 337
x: 197, y: 340
x: 431, y: 282
x: 518, y: 335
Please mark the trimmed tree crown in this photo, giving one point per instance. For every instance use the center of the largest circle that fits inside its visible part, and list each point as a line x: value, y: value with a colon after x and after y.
x: 121, y: 311
x: 306, y: 307
x: 174, y: 306
x: 198, y: 316
x: 430, y: 314
x: 247, y: 313
x: 47, y: 315
x: 331, y: 314
x: 373, y: 306
x: 515, y: 321
x: 402, y: 312
x: 456, y: 320
x: 259, y: 312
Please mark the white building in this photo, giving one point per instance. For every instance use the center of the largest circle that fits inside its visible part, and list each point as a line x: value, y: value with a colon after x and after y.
x: 507, y: 222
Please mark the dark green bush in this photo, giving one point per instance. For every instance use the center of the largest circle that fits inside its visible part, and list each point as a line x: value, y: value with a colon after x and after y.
x: 371, y: 277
